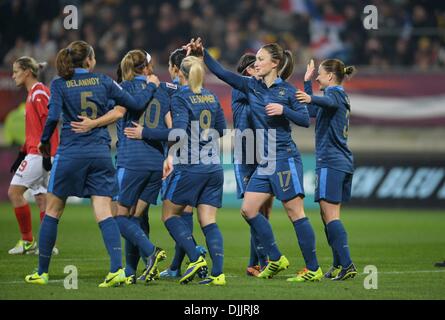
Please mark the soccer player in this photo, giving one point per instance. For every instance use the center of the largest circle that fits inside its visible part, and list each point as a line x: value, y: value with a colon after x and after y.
x: 196, y: 113
x: 31, y: 170
x: 243, y: 170
x: 334, y: 165
x: 83, y: 166
x: 148, y: 133
x: 139, y: 163
x: 273, y: 104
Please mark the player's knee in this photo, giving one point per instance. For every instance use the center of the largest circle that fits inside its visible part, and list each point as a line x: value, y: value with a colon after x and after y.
x: 246, y: 213
x: 16, y: 197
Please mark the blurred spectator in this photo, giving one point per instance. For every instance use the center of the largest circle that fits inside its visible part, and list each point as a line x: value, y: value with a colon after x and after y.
x: 21, y: 48
x: 409, y: 32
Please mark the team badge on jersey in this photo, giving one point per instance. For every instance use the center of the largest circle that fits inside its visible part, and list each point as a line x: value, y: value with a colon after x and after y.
x: 171, y: 85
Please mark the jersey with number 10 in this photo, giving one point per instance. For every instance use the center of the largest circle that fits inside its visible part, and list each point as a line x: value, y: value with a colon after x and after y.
x: 140, y: 154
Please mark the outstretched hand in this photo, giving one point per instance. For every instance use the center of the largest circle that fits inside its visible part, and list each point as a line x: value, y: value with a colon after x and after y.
x: 194, y: 48
x: 310, y: 69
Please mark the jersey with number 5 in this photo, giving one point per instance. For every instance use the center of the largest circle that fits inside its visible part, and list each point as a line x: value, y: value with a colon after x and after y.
x: 87, y: 94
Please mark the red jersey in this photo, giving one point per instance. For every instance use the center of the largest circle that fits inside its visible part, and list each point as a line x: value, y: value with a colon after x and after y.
x: 36, y: 112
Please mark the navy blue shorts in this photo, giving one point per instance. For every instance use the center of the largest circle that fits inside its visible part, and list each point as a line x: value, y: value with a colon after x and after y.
x: 332, y: 185
x: 193, y: 189
x: 81, y: 177
x: 151, y: 191
x: 285, y: 183
x: 133, y: 183
x: 243, y: 172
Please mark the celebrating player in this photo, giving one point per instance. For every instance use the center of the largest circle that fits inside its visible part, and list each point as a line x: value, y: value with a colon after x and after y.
x: 196, y: 112
x: 244, y: 170
x: 334, y: 167
x: 83, y: 166
x: 273, y: 105
x: 150, y: 134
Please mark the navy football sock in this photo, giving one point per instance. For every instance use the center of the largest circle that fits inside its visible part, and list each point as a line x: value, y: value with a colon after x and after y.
x: 144, y: 222
x: 306, y: 240
x: 253, y: 260
x: 47, y: 239
x: 265, y: 235
x: 179, y: 252
x: 133, y: 233
x: 214, y: 241
x: 112, y: 240
x: 131, y: 258
x: 339, y: 239
x: 182, y: 234
x: 336, y: 259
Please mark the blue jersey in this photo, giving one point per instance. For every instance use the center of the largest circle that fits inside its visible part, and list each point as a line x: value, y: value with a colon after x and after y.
x: 331, y: 129
x: 194, y: 113
x: 259, y: 95
x: 241, y: 121
x: 141, y: 154
x: 87, y: 94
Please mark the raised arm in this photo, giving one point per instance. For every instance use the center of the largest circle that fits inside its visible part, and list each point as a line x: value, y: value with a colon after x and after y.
x: 234, y: 80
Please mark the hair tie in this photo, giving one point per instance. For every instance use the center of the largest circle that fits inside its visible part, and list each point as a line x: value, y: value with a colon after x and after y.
x: 344, y: 70
x: 69, y: 50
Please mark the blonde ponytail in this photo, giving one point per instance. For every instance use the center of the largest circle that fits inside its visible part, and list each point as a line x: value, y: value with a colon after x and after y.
x: 193, y: 69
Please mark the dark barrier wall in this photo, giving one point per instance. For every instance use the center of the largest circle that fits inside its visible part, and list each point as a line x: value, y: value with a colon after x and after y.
x: 401, y: 180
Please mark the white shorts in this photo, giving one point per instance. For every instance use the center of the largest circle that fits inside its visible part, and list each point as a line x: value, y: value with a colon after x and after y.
x: 31, y: 174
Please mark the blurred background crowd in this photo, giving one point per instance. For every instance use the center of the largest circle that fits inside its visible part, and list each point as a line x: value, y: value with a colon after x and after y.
x: 410, y: 33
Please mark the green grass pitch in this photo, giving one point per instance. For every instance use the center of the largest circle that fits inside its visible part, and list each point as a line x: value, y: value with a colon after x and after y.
x: 403, y: 245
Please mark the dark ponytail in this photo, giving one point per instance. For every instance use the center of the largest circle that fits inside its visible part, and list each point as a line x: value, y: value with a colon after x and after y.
x: 247, y: 60
x: 177, y: 56
x: 288, y: 66
x: 338, y: 68
x: 72, y: 57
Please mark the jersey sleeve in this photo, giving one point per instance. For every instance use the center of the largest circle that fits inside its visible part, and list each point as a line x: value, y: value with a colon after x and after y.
x: 135, y: 102
x: 311, y: 108
x: 330, y: 100
x: 220, y: 121
x: 238, y: 98
x: 55, y: 109
x: 234, y: 80
x: 40, y: 101
x: 296, y: 112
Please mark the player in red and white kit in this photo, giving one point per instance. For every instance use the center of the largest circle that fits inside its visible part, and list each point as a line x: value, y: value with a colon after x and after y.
x: 30, y: 168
